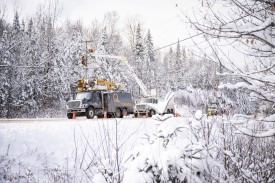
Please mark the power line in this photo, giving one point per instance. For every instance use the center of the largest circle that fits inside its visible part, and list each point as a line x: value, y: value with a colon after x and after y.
x: 178, y: 41
x: 204, y: 32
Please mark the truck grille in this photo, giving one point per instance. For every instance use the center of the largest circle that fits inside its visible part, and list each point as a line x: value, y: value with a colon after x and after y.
x: 74, y: 104
x: 140, y: 107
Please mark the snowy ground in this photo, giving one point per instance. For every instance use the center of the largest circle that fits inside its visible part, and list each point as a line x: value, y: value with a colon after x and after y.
x: 63, y: 144
x: 59, y: 137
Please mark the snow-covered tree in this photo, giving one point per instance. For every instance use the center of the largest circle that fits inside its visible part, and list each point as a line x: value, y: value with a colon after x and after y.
x: 139, y: 47
x: 175, y: 153
x: 249, y: 28
x: 139, y: 63
x: 139, y: 52
x: 102, y: 71
x: 178, y: 66
x: 149, y: 66
x: 169, y: 62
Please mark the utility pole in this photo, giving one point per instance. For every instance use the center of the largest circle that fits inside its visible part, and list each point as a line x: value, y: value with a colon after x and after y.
x: 86, y: 66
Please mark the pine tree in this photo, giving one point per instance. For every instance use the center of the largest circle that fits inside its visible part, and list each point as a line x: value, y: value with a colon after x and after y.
x: 139, y: 48
x: 23, y: 26
x: 177, y: 66
x: 168, y: 62
x: 5, y: 73
x: 104, y: 72
x: 149, y: 62
x: 139, y: 55
x: 183, y: 68
x: 2, y: 27
x: 30, y: 27
x: 16, y: 24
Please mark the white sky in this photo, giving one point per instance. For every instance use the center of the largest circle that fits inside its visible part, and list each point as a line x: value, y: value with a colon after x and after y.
x: 160, y: 16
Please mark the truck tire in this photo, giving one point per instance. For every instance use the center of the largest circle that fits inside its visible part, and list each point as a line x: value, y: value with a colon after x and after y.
x: 90, y: 113
x: 70, y: 115
x: 172, y: 112
x: 118, y: 113
x: 151, y: 112
x: 100, y: 116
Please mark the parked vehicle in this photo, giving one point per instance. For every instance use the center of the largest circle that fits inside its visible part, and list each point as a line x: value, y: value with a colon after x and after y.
x: 92, y: 101
x: 150, y: 106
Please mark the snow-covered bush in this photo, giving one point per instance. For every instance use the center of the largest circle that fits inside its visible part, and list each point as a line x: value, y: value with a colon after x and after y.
x: 173, y: 154
x: 248, y: 157
x: 23, y: 169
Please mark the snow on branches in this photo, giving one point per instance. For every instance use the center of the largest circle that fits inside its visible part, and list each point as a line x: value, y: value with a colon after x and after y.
x: 172, y: 154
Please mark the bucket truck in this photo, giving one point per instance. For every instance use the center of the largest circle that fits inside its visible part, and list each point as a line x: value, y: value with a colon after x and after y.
x: 148, y: 105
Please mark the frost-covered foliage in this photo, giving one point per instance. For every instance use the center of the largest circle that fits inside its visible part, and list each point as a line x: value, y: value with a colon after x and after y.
x: 249, y: 157
x: 247, y: 29
x: 204, y: 150
x: 173, y: 154
x: 184, y: 69
x: 38, y: 65
x: 177, y: 149
x: 199, y: 99
x: 41, y: 63
x: 32, y: 167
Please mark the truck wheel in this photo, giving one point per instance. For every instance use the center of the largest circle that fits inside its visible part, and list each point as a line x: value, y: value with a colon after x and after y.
x: 70, y: 115
x: 90, y: 113
x: 152, y: 112
x: 124, y: 112
x: 172, y: 112
x: 118, y: 113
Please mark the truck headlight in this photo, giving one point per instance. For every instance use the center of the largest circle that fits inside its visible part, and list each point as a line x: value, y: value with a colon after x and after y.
x: 84, y: 105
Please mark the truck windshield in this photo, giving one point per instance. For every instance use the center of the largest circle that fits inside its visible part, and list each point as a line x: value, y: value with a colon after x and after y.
x: 82, y: 95
x: 147, y: 100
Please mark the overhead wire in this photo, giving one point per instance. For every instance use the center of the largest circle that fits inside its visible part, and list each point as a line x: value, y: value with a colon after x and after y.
x: 196, y: 35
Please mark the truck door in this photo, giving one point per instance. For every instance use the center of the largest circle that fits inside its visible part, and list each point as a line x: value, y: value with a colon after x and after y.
x: 97, y: 100
x: 105, y: 102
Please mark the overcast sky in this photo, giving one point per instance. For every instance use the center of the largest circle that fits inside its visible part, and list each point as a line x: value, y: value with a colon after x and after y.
x: 160, y: 16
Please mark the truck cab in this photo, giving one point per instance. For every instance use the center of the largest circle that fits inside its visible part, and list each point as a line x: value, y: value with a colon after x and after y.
x: 150, y: 106
x: 82, y: 101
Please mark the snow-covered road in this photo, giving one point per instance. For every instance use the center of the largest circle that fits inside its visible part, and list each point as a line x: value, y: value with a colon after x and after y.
x: 59, y: 139
x: 42, y: 120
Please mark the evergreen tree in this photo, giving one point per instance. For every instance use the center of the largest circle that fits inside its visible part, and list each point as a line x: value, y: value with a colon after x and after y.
x: 16, y: 25
x: 102, y: 71
x: 149, y: 66
x: 139, y: 56
x: 177, y: 67
x: 139, y: 49
x: 183, y: 68
x: 2, y: 27
x: 30, y: 27
x: 5, y: 73
x: 23, y: 26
